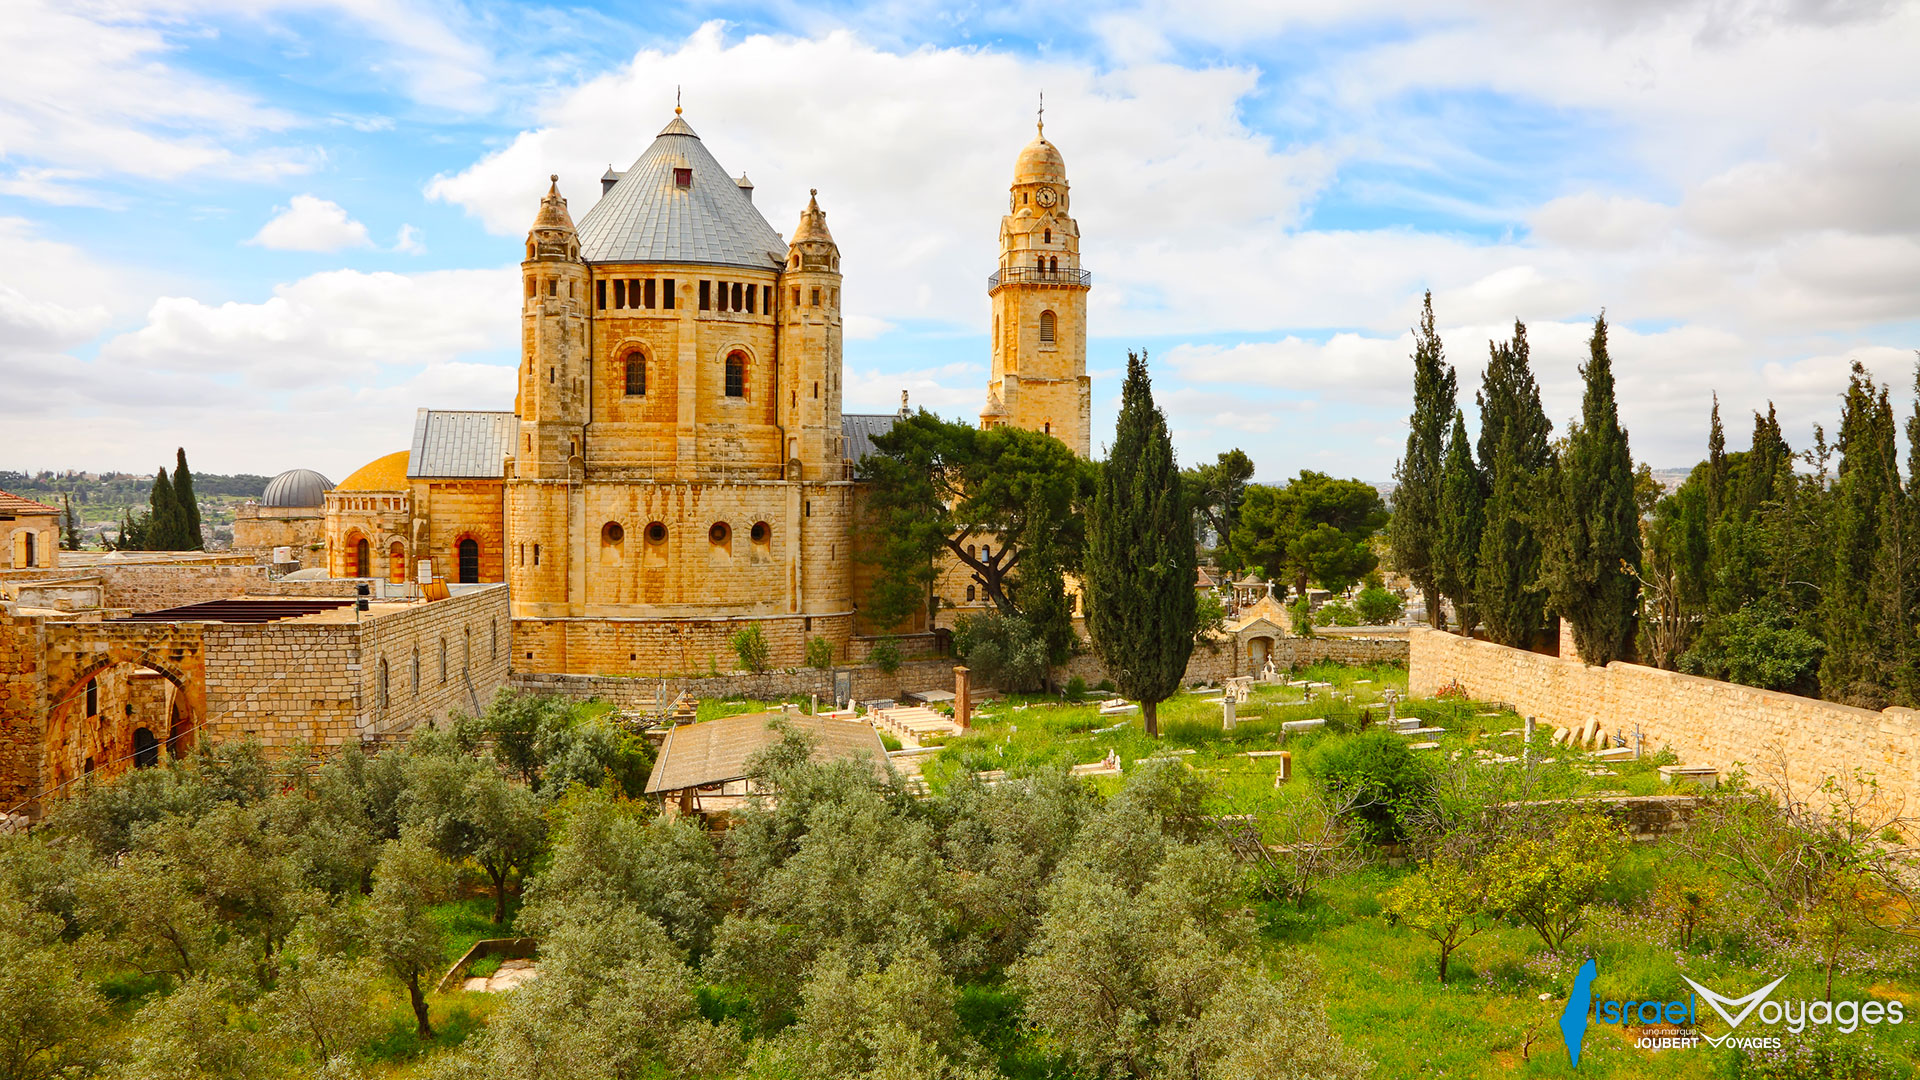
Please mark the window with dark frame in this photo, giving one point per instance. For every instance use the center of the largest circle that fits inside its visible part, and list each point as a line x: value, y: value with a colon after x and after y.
x: 736, y: 374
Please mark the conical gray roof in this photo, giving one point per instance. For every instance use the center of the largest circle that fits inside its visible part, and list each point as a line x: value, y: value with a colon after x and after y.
x: 648, y: 217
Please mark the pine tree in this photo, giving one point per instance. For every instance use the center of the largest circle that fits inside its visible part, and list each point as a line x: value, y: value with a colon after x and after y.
x: 1415, y: 528
x: 1041, y: 591
x: 1515, y: 457
x: 1592, y: 557
x: 190, y: 538
x: 164, y: 521
x: 1849, y: 601
x: 1462, y: 519
x: 1140, y: 558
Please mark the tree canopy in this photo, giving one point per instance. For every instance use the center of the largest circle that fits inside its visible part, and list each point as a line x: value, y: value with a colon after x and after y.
x: 1314, y: 529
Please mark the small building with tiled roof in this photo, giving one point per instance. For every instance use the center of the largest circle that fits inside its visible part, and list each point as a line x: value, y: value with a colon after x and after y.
x: 436, y: 507
x: 704, y: 768
x: 29, y: 533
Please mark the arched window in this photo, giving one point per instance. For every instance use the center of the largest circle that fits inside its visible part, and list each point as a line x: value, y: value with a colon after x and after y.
x: 969, y: 592
x: 362, y: 559
x: 415, y: 671
x: 636, y: 374
x: 1039, y: 262
x: 380, y: 688
x: 443, y: 660
x: 146, y: 749
x: 469, y: 550
x: 397, y: 563
x: 466, y: 652
x: 737, y: 374
x: 1048, y: 236
x: 1053, y: 265
x: 1046, y: 327
x: 93, y: 697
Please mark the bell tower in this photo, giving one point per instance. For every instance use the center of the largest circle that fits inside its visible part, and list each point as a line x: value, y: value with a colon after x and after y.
x: 810, y: 341
x: 544, y: 487
x: 1039, y: 377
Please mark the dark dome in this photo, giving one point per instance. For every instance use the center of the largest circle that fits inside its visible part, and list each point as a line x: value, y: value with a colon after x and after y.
x: 296, y: 487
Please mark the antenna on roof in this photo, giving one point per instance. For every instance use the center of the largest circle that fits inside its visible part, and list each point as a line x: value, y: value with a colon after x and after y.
x: 1041, y: 122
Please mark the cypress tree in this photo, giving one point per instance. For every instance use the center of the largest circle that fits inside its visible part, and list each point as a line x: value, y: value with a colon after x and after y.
x: 164, y: 524
x: 1416, y: 524
x: 69, y: 525
x: 1461, y: 519
x: 191, y: 538
x: 1041, y: 590
x: 1593, y: 552
x: 1514, y: 458
x: 1850, y: 671
x: 1140, y: 558
x: 1716, y: 465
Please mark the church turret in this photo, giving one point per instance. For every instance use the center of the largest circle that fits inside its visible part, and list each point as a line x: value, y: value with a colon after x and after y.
x: 1039, y: 374
x: 552, y: 405
x: 810, y: 346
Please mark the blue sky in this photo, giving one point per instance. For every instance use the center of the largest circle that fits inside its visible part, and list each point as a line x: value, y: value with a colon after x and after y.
x: 269, y: 231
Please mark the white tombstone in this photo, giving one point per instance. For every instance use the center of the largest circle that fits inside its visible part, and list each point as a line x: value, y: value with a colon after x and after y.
x: 1227, y: 705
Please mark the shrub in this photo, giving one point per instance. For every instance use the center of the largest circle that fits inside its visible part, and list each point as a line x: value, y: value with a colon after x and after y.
x: 885, y: 655
x: 1302, y: 614
x: 750, y: 645
x: 1105, y: 686
x: 1377, y: 606
x: 1076, y: 688
x: 819, y: 653
x: 1336, y: 613
x: 1376, y: 779
x: 1003, y: 650
x: 1547, y: 882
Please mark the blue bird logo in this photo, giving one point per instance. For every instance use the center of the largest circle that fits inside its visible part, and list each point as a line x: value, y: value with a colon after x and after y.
x: 1573, y: 1020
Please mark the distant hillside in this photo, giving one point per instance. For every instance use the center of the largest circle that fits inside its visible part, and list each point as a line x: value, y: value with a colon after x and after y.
x: 99, y: 499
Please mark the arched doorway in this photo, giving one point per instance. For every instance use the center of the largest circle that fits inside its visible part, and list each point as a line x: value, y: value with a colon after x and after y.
x: 397, y: 563
x: 1258, y: 650
x: 146, y: 749
x: 359, y: 556
x: 469, y: 550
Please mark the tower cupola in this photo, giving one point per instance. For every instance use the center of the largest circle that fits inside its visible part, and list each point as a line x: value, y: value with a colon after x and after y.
x: 553, y: 235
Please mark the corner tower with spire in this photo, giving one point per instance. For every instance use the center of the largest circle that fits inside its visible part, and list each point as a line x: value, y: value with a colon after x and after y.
x: 1039, y: 376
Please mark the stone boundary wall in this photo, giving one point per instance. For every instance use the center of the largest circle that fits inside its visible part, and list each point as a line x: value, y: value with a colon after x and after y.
x: 1705, y: 721
x: 151, y: 587
x: 872, y: 684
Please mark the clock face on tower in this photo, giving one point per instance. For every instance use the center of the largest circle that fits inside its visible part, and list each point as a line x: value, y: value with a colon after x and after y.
x: 1046, y: 197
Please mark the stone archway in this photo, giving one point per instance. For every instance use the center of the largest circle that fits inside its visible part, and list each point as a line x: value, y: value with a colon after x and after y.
x: 76, y: 654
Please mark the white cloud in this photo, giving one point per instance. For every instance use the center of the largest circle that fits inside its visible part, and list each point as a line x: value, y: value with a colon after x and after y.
x: 409, y: 242
x: 310, y: 223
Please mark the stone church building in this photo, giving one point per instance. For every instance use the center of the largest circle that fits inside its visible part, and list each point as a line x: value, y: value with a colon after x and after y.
x: 676, y: 464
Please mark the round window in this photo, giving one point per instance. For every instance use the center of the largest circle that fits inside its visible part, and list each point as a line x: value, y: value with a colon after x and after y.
x: 657, y: 533
x: 719, y: 533
x: 762, y: 532
x: 612, y: 533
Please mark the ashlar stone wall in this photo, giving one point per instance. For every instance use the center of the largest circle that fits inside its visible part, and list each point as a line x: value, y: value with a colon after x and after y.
x: 1705, y: 721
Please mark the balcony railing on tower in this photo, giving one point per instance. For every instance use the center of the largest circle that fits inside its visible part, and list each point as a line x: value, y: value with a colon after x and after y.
x: 1035, y: 275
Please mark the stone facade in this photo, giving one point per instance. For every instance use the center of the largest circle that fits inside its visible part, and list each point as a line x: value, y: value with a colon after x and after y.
x: 1039, y: 375
x: 81, y: 698
x: 142, y: 586
x: 1705, y: 721
x: 258, y: 530
x: 29, y: 533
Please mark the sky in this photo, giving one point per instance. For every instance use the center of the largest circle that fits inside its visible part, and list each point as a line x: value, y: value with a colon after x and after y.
x: 269, y: 230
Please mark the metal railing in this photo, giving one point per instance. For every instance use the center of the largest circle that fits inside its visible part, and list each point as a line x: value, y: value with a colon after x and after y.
x: 1034, y: 275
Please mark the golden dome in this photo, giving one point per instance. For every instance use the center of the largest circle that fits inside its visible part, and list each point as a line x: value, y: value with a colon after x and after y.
x: 381, y: 474
x: 1040, y: 163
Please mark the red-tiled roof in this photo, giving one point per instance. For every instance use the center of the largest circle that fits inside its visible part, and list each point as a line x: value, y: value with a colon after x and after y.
x: 14, y: 504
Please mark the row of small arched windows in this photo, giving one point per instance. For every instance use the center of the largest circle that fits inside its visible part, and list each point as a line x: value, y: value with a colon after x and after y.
x: 736, y: 374
x: 382, y: 688
x: 613, y: 534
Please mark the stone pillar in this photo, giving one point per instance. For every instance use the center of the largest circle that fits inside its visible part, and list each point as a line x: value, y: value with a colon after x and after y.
x: 962, y: 697
x: 1227, y: 712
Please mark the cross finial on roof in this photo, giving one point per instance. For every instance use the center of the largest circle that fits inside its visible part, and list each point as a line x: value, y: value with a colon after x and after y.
x: 1041, y: 122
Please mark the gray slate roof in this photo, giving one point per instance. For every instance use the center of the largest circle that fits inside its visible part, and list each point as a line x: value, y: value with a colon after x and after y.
x: 449, y: 443
x: 859, y: 429
x: 646, y: 217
